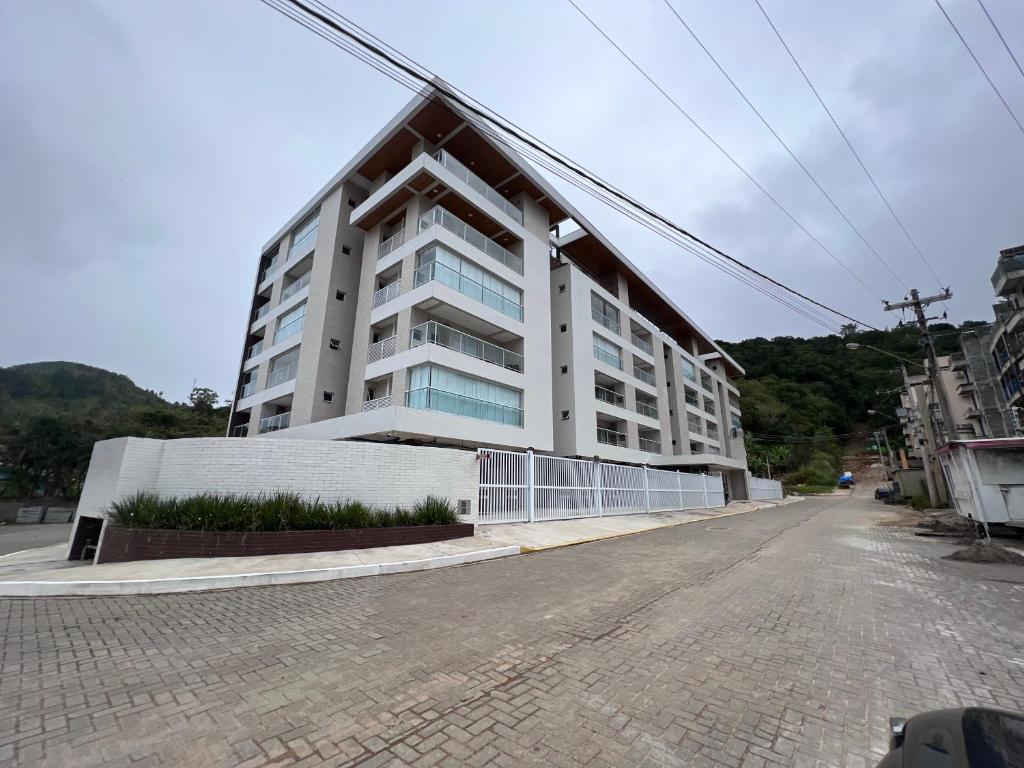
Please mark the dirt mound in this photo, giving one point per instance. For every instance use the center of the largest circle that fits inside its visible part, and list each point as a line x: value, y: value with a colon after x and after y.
x: 980, y: 552
x: 945, y: 521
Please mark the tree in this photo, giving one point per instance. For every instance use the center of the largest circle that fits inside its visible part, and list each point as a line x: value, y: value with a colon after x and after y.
x: 203, y: 400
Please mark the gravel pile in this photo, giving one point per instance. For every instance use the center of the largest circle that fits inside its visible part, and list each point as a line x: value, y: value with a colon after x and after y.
x: 980, y: 552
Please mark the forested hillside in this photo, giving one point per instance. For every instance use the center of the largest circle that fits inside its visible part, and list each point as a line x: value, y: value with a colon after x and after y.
x: 51, y: 414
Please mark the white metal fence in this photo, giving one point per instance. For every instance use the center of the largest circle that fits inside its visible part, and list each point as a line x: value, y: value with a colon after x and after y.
x: 524, y: 487
x: 762, y: 488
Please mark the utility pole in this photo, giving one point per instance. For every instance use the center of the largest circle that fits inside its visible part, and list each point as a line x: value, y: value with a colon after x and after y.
x: 878, y: 445
x: 892, y: 459
x: 919, y: 305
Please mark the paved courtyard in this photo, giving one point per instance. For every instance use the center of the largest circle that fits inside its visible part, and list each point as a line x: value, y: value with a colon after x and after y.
x: 780, y: 637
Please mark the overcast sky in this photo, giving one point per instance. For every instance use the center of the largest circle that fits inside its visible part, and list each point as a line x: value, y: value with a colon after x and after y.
x: 149, y: 148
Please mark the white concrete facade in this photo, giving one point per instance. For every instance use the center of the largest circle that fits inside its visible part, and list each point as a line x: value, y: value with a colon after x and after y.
x: 433, y: 315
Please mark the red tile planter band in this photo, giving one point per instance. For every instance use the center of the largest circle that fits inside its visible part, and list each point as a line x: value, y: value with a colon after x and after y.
x: 123, y: 544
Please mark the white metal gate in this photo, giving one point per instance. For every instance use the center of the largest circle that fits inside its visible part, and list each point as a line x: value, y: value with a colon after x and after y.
x: 763, y: 488
x: 520, y: 487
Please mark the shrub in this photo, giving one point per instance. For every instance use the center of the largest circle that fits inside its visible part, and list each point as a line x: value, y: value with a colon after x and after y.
x: 271, y: 512
x: 920, y: 503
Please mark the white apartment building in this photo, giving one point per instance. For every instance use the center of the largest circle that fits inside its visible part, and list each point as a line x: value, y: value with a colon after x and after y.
x: 424, y: 296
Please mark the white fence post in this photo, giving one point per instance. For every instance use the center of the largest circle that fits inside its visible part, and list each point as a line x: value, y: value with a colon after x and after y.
x: 529, y: 485
x: 704, y: 485
x: 647, y: 491
x: 679, y: 487
x: 597, y: 487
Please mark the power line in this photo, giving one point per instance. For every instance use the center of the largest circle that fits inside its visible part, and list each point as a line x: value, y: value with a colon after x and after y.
x: 784, y: 439
x: 780, y: 140
x: 412, y: 75
x: 1001, y: 38
x: 722, y: 149
x: 849, y: 144
x: 981, y: 68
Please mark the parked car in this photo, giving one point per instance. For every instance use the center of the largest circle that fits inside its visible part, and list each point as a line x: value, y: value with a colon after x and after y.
x: 956, y: 738
x: 884, y: 492
x: 846, y: 480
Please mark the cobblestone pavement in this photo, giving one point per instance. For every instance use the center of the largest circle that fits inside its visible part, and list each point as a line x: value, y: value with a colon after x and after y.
x: 780, y: 637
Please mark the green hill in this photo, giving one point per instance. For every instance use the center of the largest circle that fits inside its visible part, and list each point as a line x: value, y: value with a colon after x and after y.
x: 51, y: 413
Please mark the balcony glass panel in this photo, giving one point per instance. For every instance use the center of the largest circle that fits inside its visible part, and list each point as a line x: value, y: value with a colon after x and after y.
x: 290, y: 324
x: 438, y: 216
x: 296, y: 286
x: 691, y: 397
x: 242, y: 430
x: 433, y: 332
x: 304, y: 235
x: 247, y: 390
x: 644, y: 375
x: 607, y: 352
x: 448, y: 269
x: 260, y: 312
x: 254, y: 350
x: 689, y: 369
x: 649, y: 445
x: 478, y: 184
x: 274, y: 423
x: 646, y: 409
x: 642, y: 344
x: 438, y: 389
x: 609, y: 396
x: 611, y: 437
x: 282, y: 374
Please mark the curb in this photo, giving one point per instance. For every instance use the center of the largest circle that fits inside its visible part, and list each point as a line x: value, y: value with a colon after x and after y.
x: 765, y: 505
x: 235, y: 580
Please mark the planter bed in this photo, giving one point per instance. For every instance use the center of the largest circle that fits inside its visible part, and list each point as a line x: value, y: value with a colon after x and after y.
x: 121, y: 544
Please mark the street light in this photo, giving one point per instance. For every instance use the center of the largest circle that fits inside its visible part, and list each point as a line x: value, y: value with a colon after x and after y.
x: 854, y: 346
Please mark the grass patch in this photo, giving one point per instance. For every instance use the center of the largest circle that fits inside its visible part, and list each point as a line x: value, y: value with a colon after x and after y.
x: 271, y: 512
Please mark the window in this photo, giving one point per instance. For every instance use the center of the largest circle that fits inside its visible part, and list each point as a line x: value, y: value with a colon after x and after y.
x: 334, y: 343
x: 467, y: 278
x: 283, y: 368
x: 561, y: 328
x: 561, y: 288
x: 328, y: 397
x: 689, y: 369
x: 351, y: 203
x: 346, y: 250
x: 304, y: 235
x: 564, y: 369
x: 438, y: 389
x: 339, y: 295
x: 607, y: 352
x: 291, y: 323
x: 565, y: 415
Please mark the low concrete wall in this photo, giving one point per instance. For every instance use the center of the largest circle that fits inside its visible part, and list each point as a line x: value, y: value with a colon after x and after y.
x: 379, y: 474
x: 124, y: 544
x: 10, y: 509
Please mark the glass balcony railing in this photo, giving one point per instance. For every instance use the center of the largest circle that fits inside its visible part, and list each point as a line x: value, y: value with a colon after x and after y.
x: 649, y: 445
x: 433, y: 332
x: 389, y: 245
x: 292, y: 328
x: 608, y: 321
x: 274, y: 423
x: 691, y: 397
x: 296, y: 286
x: 283, y: 374
x: 247, y: 390
x: 430, y: 399
x: 647, y: 409
x: 644, y: 375
x: 242, y: 430
x: 642, y: 344
x: 270, y: 268
x: 611, y: 437
x: 696, y: 426
x: 607, y: 357
x: 260, y: 312
x: 435, y: 270
x: 254, y: 350
x: 478, y: 184
x: 609, y: 396
x: 438, y: 216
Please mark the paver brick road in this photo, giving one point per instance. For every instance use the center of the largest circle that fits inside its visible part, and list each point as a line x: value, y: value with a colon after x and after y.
x: 781, y: 637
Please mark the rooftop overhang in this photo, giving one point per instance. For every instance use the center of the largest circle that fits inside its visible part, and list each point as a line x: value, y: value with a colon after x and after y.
x: 589, y: 250
x: 1008, y: 275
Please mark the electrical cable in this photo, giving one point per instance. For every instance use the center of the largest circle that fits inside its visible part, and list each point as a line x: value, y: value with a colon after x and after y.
x: 1001, y: 38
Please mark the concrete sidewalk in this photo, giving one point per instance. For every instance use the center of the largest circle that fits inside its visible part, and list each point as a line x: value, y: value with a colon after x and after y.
x: 44, y: 572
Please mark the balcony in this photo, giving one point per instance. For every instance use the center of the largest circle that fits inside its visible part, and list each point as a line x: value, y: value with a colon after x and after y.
x: 254, y: 350
x: 647, y: 409
x: 386, y: 294
x: 242, y: 430
x: 260, y: 312
x: 609, y: 396
x: 389, y: 245
x: 608, y: 321
x: 274, y: 423
x: 649, y: 445
x: 247, y: 390
x: 479, y: 185
x: 283, y: 374
x: 1008, y: 275
x: 439, y: 217
x: 611, y: 437
x: 607, y: 357
x: 376, y: 403
x: 433, y: 399
x: 433, y: 332
x: 296, y: 286
x: 382, y: 349
x: 642, y: 344
x: 269, y: 269
x: 972, y: 413
x: 644, y: 375
x: 290, y: 329
x: 435, y: 270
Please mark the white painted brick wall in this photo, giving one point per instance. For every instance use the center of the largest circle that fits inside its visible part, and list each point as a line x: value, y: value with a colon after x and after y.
x: 375, y: 473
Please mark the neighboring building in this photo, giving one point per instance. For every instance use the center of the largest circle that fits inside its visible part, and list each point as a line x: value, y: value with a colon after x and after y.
x: 989, y: 411
x: 1007, y: 339
x: 424, y: 296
